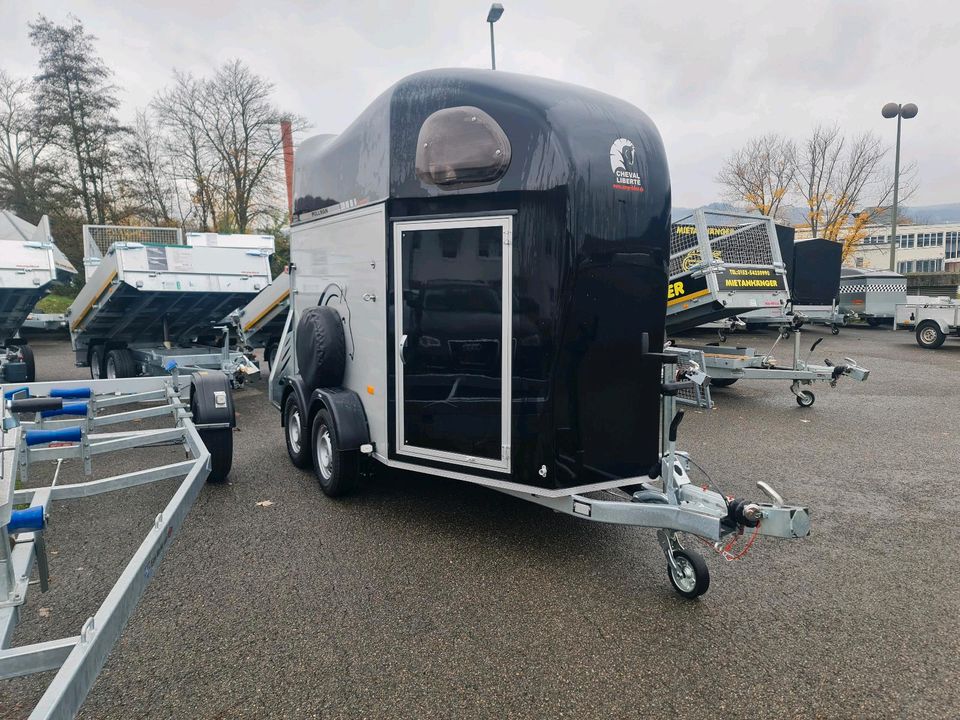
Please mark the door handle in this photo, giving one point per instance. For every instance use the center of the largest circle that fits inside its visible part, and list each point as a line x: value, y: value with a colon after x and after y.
x: 403, y: 348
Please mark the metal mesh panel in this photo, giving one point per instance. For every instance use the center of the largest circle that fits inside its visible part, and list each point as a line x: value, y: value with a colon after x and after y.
x: 699, y: 395
x: 97, y: 239
x: 683, y: 239
x: 748, y: 245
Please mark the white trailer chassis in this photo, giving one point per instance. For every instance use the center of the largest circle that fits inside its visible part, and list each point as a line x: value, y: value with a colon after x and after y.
x: 71, y: 433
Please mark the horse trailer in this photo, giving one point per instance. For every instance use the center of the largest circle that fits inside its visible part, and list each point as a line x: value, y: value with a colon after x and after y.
x: 479, y: 282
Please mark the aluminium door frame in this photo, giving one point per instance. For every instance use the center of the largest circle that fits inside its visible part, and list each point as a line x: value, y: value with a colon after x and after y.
x: 505, y: 223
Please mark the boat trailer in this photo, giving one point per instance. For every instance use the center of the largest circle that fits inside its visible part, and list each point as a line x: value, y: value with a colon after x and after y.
x: 45, y: 424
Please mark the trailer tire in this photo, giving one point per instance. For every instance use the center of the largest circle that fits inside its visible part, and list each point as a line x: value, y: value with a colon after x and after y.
x: 722, y: 382
x: 204, y: 409
x: 296, y: 432
x: 96, y: 362
x: 321, y: 348
x: 26, y: 352
x: 119, y: 364
x: 270, y: 354
x: 929, y: 335
x: 835, y: 330
x: 337, y: 470
x: 806, y: 398
x: 874, y: 322
x: 696, y: 578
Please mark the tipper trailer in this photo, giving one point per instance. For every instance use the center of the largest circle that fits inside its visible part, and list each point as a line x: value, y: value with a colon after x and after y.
x: 260, y: 323
x: 154, y: 301
x: 30, y: 264
x: 478, y: 274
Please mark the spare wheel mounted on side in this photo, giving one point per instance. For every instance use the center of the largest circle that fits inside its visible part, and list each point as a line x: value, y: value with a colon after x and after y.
x: 321, y: 348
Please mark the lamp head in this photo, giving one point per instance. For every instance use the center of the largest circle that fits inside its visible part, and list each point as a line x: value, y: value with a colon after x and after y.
x: 496, y: 10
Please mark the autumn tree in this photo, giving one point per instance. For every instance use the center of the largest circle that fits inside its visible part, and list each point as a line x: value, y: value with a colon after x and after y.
x: 845, y: 183
x: 76, y: 105
x: 760, y: 174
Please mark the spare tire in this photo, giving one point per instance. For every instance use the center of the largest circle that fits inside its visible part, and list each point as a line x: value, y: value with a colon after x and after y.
x: 321, y: 348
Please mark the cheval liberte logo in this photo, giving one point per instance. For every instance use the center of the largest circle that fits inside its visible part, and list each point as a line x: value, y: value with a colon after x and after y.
x: 623, y: 162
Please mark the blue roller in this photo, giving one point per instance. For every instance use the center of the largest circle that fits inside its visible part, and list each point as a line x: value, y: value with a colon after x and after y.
x: 28, y: 520
x: 41, y: 437
x: 170, y: 365
x: 69, y: 409
x: 10, y: 393
x: 71, y: 392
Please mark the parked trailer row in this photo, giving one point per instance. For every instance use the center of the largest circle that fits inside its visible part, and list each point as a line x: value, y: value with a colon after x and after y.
x: 744, y: 272
x: 154, y: 300
x: 500, y: 336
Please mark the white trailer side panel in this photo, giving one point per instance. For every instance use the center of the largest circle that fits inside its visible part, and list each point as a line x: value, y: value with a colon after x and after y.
x: 342, y: 262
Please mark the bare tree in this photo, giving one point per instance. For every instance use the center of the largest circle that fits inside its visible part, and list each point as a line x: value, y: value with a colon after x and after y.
x: 195, y: 164
x: 241, y: 124
x: 151, y: 178
x: 77, y: 106
x: 845, y: 183
x: 29, y: 175
x: 760, y: 174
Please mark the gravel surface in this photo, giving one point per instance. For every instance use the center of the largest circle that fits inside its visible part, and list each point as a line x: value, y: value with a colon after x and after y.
x: 426, y: 598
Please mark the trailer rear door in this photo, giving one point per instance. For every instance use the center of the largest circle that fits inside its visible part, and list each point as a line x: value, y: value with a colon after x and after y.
x: 454, y: 348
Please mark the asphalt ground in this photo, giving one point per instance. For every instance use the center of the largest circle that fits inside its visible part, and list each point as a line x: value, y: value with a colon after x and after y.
x: 426, y: 598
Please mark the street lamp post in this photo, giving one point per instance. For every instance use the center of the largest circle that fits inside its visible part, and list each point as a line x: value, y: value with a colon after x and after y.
x: 496, y: 10
x: 900, y: 112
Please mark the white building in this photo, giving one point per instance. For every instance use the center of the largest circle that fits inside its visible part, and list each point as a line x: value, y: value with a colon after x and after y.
x: 921, y: 248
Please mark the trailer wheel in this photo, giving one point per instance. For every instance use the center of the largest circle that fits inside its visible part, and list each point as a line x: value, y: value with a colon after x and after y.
x: 835, y: 330
x: 806, y: 398
x: 204, y: 409
x: 270, y: 354
x: 26, y: 352
x: 874, y: 322
x: 296, y: 432
x: 929, y: 335
x: 120, y: 364
x: 693, y: 578
x: 784, y: 334
x: 722, y: 382
x: 96, y: 362
x: 337, y: 470
x: 321, y: 347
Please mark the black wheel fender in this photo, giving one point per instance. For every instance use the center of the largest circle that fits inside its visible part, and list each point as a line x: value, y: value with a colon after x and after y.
x: 294, y: 385
x: 346, y: 411
x: 211, y: 404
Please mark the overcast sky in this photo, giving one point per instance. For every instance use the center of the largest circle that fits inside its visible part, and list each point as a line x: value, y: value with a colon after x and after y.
x: 710, y: 74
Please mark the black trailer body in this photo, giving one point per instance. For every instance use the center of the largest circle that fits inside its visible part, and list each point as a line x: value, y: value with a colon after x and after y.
x: 478, y: 276
x: 579, y: 199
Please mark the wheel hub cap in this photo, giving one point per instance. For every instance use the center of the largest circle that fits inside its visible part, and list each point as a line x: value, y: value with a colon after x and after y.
x: 684, y: 576
x: 293, y: 430
x: 325, y: 454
